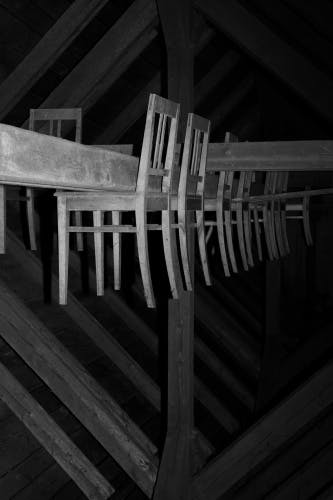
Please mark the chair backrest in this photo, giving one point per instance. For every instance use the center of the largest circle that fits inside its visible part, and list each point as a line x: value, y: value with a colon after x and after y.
x: 51, y: 121
x: 194, y: 159
x: 158, y: 146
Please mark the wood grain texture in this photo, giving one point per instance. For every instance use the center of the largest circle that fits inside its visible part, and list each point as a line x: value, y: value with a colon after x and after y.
x: 53, y: 438
x: 267, y: 156
x: 102, y: 416
x: 32, y: 159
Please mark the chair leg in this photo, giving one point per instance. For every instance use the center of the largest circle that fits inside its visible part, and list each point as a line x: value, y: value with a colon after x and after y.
x: 116, y: 238
x: 63, y: 248
x: 170, y: 250
x: 230, y: 244
x: 142, y: 239
x: 284, y: 228
x: 306, y: 221
x: 257, y: 233
x: 99, y: 252
x: 222, y: 243
x: 31, y: 219
x: 79, y: 236
x: 279, y: 236
x: 240, y: 234
x: 267, y: 231
x: 202, y: 245
x: 182, y: 225
x: 2, y: 219
x: 271, y: 220
x: 248, y: 235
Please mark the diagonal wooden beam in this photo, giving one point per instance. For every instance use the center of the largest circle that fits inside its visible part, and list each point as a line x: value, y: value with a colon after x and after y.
x: 45, y: 53
x: 109, y: 58
x: 137, y: 107
x: 86, y: 399
x: 53, y: 438
x: 266, y: 438
x: 272, y: 52
x: 230, y: 101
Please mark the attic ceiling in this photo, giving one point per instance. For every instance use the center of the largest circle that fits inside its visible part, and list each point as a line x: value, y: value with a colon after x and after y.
x: 261, y: 69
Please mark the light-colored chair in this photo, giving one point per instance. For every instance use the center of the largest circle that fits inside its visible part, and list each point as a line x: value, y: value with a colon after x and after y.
x: 191, y: 192
x: 53, y: 122
x: 152, y: 194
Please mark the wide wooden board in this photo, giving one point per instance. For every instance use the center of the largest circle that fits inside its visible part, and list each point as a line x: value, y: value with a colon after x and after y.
x: 33, y: 159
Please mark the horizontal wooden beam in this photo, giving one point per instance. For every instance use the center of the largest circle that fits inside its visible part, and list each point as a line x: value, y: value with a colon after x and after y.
x: 258, y: 445
x: 72, y: 384
x: 274, y: 53
x: 271, y: 156
x: 53, y: 438
x: 45, y: 53
x: 32, y: 159
x: 108, y: 59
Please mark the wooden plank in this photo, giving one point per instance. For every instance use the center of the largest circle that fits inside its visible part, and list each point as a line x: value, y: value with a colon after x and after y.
x: 176, y: 458
x: 309, y: 479
x: 271, y: 156
x: 270, y: 363
x: 91, y: 404
x: 46, y: 51
x: 260, y: 443
x: 101, y: 67
x: 32, y: 159
x: 53, y: 438
x: 289, y: 461
x: 272, y: 52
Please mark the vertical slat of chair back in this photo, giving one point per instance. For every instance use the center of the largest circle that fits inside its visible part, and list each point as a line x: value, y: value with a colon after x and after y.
x: 194, y: 159
x: 54, y: 118
x: 158, y: 146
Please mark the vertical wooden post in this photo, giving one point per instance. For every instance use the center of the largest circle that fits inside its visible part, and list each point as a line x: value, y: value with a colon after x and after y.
x: 174, y: 477
x: 270, y: 358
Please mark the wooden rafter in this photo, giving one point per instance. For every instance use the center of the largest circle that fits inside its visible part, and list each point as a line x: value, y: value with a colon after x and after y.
x: 265, y: 438
x: 53, y: 438
x: 88, y: 401
x: 45, y: 53
x: 137, y: 106
x: 109, y: 58
x: 272, y: 52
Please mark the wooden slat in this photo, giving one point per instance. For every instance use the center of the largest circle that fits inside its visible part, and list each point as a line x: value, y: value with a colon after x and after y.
x: 29, y: 158
x: 45, y: 53
x: 101, y: 67
x: 271, y: 156
x: 267, y: 437
x: 272, y: 52
x: 53, y: 438
x: 78, y: 390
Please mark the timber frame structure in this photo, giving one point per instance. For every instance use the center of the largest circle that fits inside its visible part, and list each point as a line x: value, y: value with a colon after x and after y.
x: 227, y: 391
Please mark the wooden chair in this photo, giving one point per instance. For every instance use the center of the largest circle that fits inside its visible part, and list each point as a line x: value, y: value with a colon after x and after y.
x: 51, y: 121
x: 301, y: 211
x: 152, y: 194
x: 191, y: 191
x: 221, y: 203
